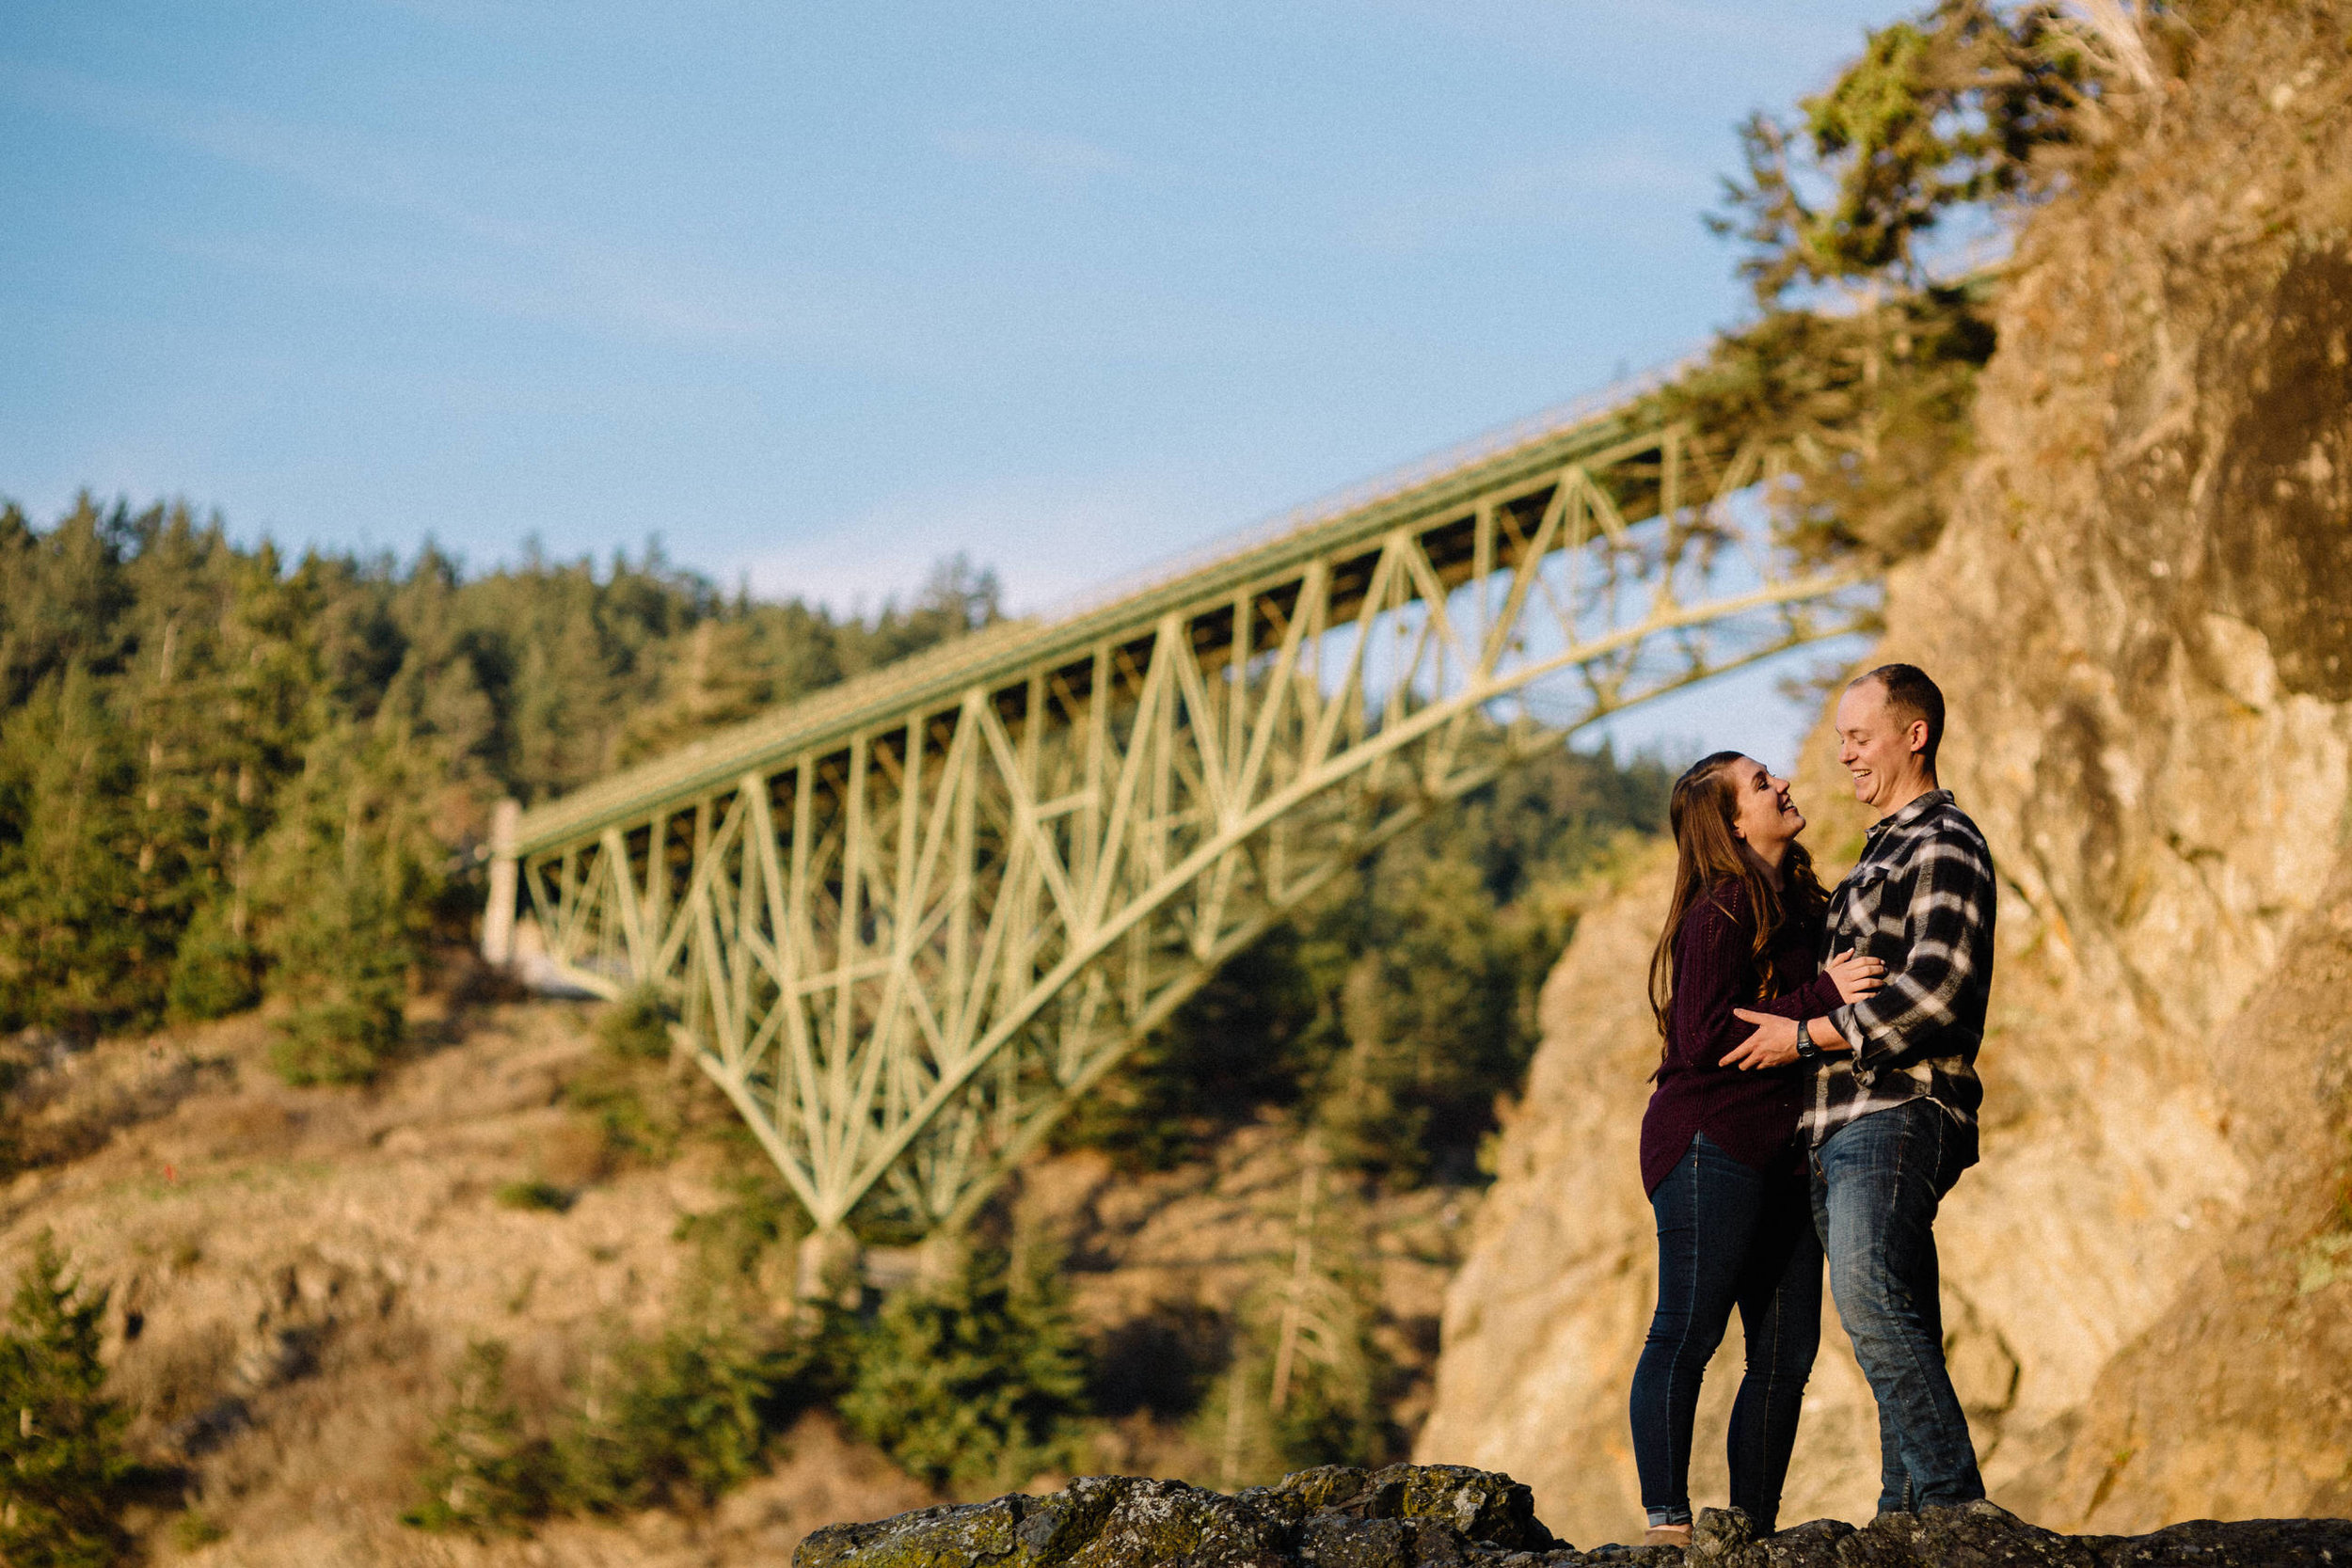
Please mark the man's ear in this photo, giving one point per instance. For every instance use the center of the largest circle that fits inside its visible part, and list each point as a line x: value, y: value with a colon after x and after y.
x: 1915, y: 737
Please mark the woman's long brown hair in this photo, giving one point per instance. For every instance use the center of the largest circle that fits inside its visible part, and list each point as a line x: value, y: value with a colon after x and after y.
x: 1705, y: 804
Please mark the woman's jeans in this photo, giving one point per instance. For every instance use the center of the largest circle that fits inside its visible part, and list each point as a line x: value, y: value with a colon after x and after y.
x: 1727, y: 1236
x: 1877, y: 1183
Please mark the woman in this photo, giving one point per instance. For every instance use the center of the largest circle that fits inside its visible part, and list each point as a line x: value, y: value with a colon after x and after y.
x: 1719, y: 1155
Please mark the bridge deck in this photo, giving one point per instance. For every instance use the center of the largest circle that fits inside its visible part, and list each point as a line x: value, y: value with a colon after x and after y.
x: 1532, y: 450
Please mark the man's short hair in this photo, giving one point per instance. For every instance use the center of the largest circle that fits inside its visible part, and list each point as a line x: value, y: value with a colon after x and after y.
x: 1912, y: 695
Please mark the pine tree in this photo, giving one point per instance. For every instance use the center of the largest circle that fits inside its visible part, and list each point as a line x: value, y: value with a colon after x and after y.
x: 64, y: 1475
x: 351, y: 873
x: 80, y: 948
x: 215, y: 970
x: 63, y: 595
x: 981, y: 1379
x: 210, y: 759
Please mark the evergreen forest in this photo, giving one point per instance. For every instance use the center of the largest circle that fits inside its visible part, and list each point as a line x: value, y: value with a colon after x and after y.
x: 229, y: 776
x: 226, y: 775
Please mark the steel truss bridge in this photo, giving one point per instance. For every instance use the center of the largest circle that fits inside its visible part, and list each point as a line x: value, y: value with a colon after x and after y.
x: 907, y: 922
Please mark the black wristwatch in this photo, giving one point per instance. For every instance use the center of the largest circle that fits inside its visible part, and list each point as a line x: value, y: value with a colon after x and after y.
x: 1807, y: 1051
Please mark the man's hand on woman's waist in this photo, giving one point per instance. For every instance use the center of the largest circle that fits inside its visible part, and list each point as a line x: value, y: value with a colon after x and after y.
x: 1774, y: 1042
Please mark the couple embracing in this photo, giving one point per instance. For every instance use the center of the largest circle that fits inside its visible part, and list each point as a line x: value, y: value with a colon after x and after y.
x: 1817, y: 1097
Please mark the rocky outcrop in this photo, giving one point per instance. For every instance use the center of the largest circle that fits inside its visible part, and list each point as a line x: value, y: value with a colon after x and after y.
x: 1334, y: 1516
x: 2138, y: 612
x: 1444, y: 1516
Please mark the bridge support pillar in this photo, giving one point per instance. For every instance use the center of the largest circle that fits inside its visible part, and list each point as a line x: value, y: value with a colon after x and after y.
x: 829, y: 1269
x: 941, y: 1258
x: 497, y: 916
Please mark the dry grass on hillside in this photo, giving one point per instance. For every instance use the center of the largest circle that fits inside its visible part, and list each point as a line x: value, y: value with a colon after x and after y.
x: 296, y: 1274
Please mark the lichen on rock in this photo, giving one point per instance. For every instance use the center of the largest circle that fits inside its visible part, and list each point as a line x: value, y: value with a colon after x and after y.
x: 1405, y: 1516
x: 1095, y: 1522
x: 1449, y: 1516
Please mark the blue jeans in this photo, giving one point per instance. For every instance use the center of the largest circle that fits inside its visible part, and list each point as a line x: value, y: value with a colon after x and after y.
x: 1877, y: 1183
x: 1727, y: 1235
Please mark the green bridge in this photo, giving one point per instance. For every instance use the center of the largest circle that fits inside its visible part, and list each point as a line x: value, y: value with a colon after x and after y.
x: 906, y: 922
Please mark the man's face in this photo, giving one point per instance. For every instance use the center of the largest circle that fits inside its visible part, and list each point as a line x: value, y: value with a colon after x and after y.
x: 1876, y: 747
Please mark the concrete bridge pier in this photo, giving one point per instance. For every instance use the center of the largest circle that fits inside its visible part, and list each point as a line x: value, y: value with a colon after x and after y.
x: 498, y: 915
x: 831, y: 1269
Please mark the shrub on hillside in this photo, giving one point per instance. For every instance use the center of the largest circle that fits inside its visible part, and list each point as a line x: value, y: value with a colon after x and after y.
x: 979, y: 1379
x: 677, y: 1419
x: 625, y: 1089
x: 485, y: 1475
x: 536, y: 1194
x: 637, y: 1027
x: 682, y: 1418
x: 64, y: 1474
x: 740, y: 1245
x: 345, y: 1039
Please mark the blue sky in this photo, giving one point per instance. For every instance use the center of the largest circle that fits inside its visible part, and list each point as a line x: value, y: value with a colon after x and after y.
x: 819, y: 294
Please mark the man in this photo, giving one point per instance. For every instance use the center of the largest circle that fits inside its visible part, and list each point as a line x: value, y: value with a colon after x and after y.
x: 1893, y: 1118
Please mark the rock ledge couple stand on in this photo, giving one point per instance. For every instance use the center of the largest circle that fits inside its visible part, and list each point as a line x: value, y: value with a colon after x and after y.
x: 1815, y: 1096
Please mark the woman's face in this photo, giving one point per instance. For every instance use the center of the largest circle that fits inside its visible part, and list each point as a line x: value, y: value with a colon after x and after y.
x: 1764, y: 814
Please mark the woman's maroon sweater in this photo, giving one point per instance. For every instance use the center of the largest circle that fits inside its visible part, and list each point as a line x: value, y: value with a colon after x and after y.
x: 1750, y: 1115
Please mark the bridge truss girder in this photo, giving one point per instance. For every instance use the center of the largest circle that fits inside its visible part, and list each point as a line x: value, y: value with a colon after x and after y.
x: 904, y: 938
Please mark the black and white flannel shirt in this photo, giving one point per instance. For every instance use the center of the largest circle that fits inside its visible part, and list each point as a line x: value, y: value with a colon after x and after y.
x: 1921, y: 900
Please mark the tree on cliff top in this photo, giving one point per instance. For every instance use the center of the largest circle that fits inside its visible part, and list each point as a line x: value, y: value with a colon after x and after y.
x: 64, y: 1475
x: 1958, y: 111
x: 1943, y: 111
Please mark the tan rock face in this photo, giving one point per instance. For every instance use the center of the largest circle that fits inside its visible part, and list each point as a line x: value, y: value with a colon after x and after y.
x: 2142, y: 619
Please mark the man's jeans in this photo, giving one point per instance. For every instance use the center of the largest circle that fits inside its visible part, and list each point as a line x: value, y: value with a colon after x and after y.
x: 1877, y: 1181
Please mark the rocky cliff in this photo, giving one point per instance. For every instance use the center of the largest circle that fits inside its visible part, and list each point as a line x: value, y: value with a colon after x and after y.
x: 2142, y: 615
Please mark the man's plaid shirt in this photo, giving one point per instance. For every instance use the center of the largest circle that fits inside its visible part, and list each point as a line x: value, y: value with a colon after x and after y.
x: 1922, y: 901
